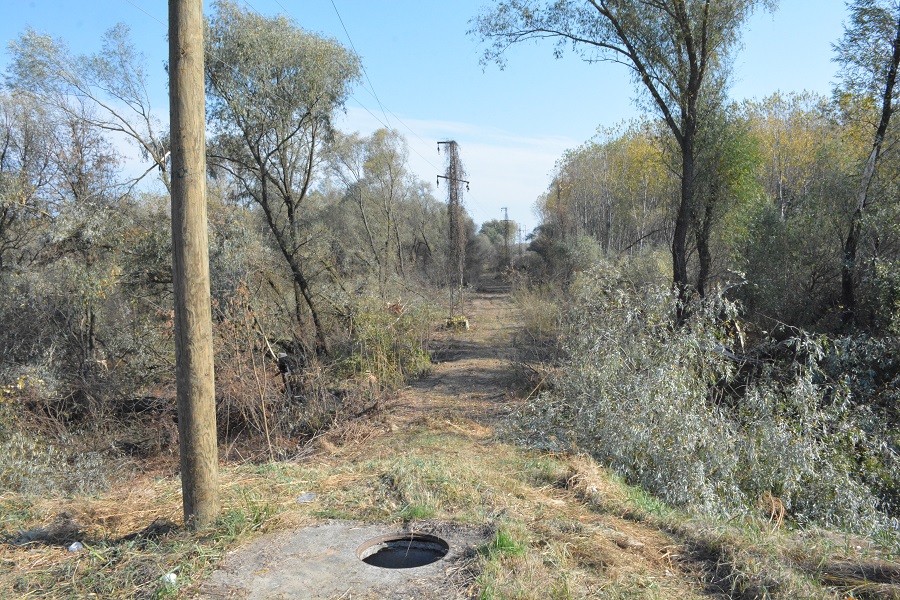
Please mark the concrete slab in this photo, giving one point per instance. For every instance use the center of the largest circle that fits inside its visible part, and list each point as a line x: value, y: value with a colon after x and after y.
x: 321, y: 563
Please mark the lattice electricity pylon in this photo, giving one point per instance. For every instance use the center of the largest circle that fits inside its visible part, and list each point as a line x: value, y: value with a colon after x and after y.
x: 455, y: 177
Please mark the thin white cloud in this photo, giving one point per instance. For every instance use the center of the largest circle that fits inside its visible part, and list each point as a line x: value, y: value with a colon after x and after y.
x: 505, y: 169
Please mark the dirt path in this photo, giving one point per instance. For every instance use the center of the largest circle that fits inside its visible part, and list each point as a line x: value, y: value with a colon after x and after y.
x: 470, y: 377
x: 520, y: 525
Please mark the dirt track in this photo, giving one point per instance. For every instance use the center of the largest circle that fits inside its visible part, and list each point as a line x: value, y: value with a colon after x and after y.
x: 447, y: 422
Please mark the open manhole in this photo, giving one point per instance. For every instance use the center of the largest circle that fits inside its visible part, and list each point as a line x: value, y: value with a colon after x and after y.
x: 402, y: 551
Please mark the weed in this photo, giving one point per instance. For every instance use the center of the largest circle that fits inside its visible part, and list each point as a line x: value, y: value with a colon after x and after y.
x: 123, y: 556
x: 246, y: 515
x: 32, y: 464
x: 504, y: 543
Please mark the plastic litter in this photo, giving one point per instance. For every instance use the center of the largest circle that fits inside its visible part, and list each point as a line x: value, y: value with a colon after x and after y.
x: 75, y: 547
x: 306, y: 498
x: 169, y: 579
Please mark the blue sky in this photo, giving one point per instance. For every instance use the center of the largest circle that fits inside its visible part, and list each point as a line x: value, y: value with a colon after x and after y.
x: 511, y: 125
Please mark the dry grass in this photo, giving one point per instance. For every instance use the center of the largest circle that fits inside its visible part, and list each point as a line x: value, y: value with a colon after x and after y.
x: 747, y: 557
x: 563, y: 526
x: 133, y: 535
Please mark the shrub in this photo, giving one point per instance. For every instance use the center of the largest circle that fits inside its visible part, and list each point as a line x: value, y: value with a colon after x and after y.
x: 681, y: 412
x: 389, y: 342
x: 276, y: 390
x: 32, y: 465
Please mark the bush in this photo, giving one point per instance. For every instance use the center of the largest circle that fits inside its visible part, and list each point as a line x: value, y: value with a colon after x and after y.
x: 681, y: 412
x: 884, y: 283
x: 277, y: 390
x: 389, y: 342
x: 32, y: 465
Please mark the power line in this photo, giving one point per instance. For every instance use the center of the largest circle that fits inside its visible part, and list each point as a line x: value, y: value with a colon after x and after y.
x: 372, y: 88
x: 282, y: 6
x: 374, y: 93
x: 146, y: 13
x: 374, y: 116
x: 253, y: 8
x: 353, y: 96
x: 435, y: 167
x: 365, y: 72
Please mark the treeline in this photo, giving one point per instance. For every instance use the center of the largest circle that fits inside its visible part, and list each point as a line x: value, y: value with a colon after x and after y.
x: 323, y: 248
x: 763, y: 383
x: 728, y: 328
x: 773, y: 214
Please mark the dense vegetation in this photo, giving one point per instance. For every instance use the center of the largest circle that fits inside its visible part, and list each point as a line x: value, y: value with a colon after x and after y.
x: 772, y: 376
x: 324, y: 249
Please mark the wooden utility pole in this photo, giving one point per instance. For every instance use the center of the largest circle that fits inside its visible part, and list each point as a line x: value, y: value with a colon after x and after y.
x: 190, y: 266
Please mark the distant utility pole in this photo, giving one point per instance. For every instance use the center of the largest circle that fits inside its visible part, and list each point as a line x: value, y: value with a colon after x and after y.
x: 507, y: 256
x: 455, y: 176
x: 190, y: 267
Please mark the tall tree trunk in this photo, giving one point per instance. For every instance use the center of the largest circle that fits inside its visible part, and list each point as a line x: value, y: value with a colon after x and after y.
x: 682, y: 225
x: 303, y: 284
x: 400, y: 259
x: 851, y: 244
x: 704, y: 253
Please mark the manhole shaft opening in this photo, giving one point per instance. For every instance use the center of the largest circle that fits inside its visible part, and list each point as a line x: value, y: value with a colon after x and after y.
x: 402, y: 551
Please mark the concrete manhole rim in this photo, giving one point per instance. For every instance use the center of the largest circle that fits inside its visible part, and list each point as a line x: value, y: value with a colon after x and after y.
x: 423, y: 544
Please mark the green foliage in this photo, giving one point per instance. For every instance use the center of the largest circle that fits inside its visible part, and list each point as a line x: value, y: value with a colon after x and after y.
x: 678, y: 411
x: 389, y: 342
x: 263, y: 71
x: 563, y: 257
x: 865, y: 46
x: 499, y: 231
x: 789, y: 265
x: 111, y: 87
x: 25, y: 167
x: 250, y: 513
x: 615, y: 189
x: 886, y: 296
x: 505, y: 542
x: 273, y: 90
x: 383, y: 220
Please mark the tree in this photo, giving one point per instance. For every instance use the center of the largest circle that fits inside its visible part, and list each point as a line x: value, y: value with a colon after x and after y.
x: 614, y: 188
x: 427, y: 222
x: 107, y: 89
x: 783, y: 241
x: 273, y: 89
x: 373, y: 172
x: 501, y: 233
x: 677, y: 49
x: 726, y: 165
x: 87, y: 198
x: 26, y: 170
x: 498, y: 231
x: 790, y: 132
x: 869, y: 55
